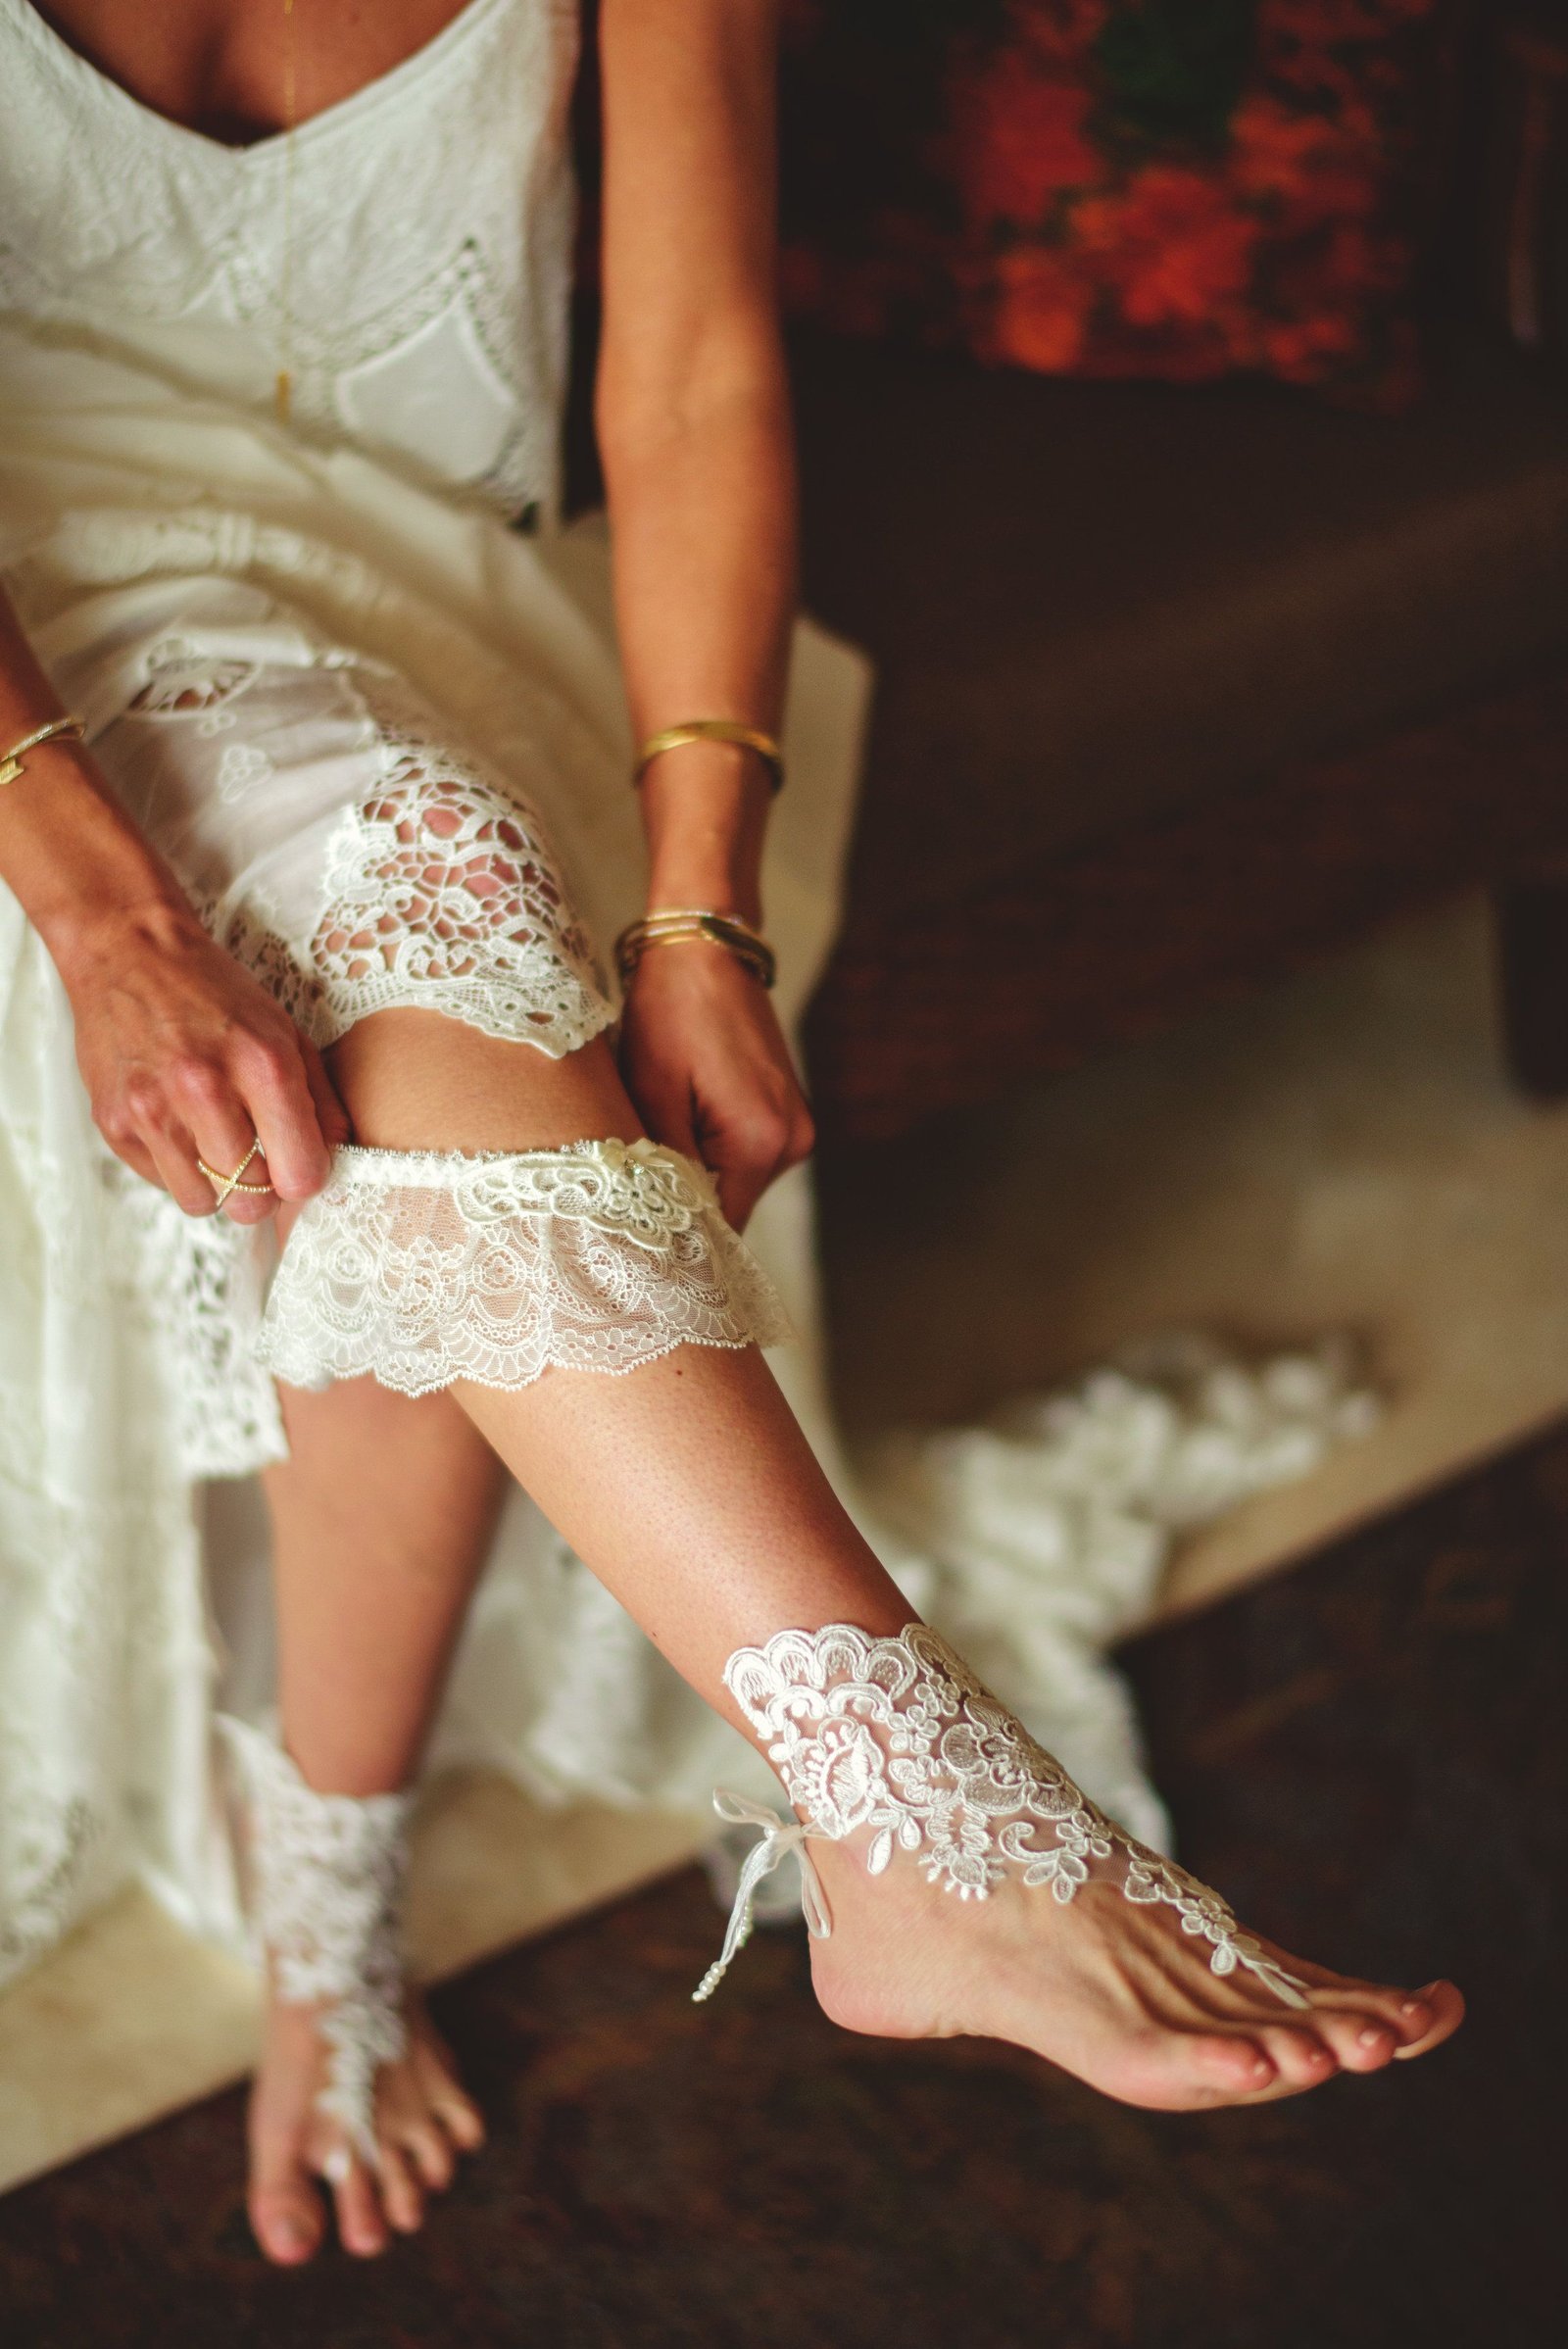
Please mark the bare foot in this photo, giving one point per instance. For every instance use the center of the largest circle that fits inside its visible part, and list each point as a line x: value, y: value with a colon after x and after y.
x: 422, y: 2122
x: 1114, y: 1992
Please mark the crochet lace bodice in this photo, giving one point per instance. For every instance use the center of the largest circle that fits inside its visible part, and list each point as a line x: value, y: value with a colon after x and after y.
x: 406, y: 254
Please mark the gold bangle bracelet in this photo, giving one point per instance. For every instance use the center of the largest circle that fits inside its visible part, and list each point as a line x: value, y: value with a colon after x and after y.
x: 713, y: 730
x: 658, y: 917
x: 670, y: 926
x: 12, y: 761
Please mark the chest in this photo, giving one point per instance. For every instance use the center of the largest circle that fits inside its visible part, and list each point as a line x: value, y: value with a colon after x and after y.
x: 238, y: 70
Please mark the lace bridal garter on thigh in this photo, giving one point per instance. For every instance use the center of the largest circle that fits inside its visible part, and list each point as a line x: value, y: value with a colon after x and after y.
x: 343, y: 846
x: 425, y: 1267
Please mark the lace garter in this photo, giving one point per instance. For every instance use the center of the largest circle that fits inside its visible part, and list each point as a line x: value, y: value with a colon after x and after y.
x: 425, y: 1267
x: 897, y: 1736
x: 326, y: 1891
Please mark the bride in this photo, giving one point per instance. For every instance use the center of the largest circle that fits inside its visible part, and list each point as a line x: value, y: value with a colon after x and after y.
x: 315, y: 821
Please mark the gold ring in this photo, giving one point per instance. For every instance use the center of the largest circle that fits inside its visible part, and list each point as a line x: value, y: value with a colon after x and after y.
x: 223, y: 1184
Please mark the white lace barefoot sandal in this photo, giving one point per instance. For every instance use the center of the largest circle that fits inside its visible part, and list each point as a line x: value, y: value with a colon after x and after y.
x: 424, y: 1266
x: 897, y: 1736
x: 326, y: 1877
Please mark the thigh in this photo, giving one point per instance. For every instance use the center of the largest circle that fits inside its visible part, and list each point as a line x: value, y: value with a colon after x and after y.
x: 414, y: 1080
x: 340, y: 839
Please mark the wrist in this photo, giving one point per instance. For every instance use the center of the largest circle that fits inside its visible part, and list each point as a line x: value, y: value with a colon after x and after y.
x: 102, y: 922
x: 78, y: 866
x: 705, y: 814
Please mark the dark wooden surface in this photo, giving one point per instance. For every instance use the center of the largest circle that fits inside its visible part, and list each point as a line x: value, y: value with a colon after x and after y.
x: 1532, y: 915
x: 1368, y: 1753
x: 1109, y: 943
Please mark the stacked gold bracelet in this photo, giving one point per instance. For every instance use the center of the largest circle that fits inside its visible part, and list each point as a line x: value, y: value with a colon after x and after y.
x: 713, y: 730
x: 667, y: 925
x: 13, y: 762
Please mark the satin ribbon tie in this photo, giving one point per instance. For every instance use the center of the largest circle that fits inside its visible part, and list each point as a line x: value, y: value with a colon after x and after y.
x: 782, y: 1838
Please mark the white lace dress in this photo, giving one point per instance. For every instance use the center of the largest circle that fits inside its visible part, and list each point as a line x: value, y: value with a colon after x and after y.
x: 379, y: 730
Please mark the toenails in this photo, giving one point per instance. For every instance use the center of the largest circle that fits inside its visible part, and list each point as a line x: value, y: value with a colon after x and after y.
x: 1430, y: 2017
x: 286, y: 2237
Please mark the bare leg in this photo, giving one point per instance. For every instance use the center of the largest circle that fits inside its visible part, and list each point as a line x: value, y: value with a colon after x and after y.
x: 380, y: 1520
x: 687, y: 1487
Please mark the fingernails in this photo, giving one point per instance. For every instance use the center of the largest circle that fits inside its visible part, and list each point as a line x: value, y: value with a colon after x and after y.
x: 1263, y: 2072
x: 1370, y: 2037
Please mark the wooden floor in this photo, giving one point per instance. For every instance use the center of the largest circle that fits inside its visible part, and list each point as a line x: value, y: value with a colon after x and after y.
x: 1367, y: 1753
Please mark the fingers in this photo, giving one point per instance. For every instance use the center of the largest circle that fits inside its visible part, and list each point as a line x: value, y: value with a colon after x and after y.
x: 172, y: 1155
x: 670, y: 1113
x: 748, y: 1155
x: 273, y: 1079
x: 738, y: 1190
x: 164, y: 1127
x: 331, y: 1115
x: 221, y: 1135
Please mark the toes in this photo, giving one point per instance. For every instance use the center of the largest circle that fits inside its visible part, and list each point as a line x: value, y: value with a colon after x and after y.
x: 361, y: 2221
x: 286, y: 2219
x: 1230, y: 2066
x: 1429, y: 2017
x: 1358, y: 2042
x: 459, y: 2116
x: 429, y: 2149
x: 401, y: 2193
x: 1299, y: 2056
x: 457, y: 2113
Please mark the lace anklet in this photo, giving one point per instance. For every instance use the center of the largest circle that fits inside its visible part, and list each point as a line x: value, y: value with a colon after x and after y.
x: 421, y: 1267
x: 327, y: 1879
x: 897, y: 1735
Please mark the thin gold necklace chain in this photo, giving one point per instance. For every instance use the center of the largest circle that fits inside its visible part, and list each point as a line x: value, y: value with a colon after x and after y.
x: 285, y: 339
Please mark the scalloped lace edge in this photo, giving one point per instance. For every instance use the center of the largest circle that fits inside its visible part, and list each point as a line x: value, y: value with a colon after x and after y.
x: 419, y: 1268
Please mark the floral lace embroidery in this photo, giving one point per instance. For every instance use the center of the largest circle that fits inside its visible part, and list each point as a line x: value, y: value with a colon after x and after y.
x: 439, y: 892
x: 186, y: 681
x: 244, y: 767
x: 897, y: 1736
x: 48, y: 1844
x: 422, y: 1268
x: 327, y: 1874
x: 195, y: 1285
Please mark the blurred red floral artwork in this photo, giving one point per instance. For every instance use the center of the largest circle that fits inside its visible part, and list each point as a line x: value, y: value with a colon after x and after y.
x: 1172, y: 188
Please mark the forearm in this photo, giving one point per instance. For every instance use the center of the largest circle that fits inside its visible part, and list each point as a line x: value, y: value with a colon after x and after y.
x: 704, y: 523
x: 693, y: 417
x: 68, y: 851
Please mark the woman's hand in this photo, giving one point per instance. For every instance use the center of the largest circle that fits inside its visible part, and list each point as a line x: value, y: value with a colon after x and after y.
x: 186, y: 1055
x: 706, y: 1062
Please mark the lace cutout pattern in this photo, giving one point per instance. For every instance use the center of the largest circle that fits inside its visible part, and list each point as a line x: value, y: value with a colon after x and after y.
x: 48, y: 1844
x: 195, y: 1285
x: 327, y: 1874
x: 419, y: 1268
x: 185, y: 681
x: 895, y: 1736
x: 438, y: 891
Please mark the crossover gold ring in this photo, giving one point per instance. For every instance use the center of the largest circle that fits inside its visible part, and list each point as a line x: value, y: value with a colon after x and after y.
x: 225, y: 1185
